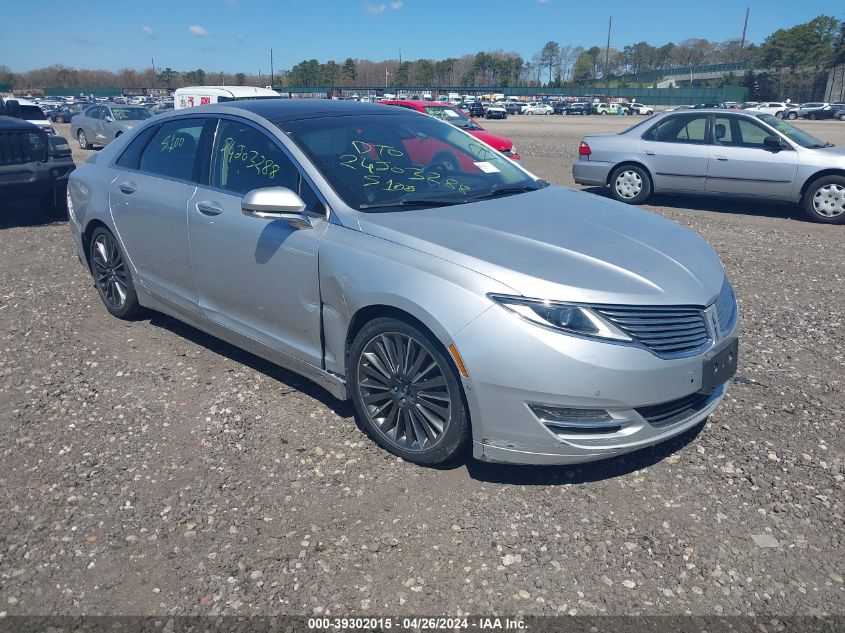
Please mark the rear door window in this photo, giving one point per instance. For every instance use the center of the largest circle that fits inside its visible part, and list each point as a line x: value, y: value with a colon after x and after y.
x: 681, y: 128
x: 172, y: 151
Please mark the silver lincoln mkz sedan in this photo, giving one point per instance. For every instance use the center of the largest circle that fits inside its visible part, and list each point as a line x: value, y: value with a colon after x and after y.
x: 398, y: 261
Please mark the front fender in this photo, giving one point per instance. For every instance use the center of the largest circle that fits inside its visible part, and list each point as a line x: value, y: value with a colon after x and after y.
x: 358, y: 271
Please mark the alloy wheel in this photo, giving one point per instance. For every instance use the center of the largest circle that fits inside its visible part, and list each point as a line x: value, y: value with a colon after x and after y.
x: 628, y: 184
x: 829, y: 200
x: 110, y: 273
x: 404, y: 391
x: 83, y: 142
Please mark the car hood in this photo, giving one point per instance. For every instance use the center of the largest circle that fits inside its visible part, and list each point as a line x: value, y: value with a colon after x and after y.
x: 495, y: 141
x: 832, y: 153
x: 565, y: 245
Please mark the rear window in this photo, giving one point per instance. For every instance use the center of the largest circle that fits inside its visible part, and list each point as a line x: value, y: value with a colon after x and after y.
x: 32, y: 113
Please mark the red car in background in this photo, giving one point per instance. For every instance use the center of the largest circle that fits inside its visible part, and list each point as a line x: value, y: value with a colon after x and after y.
x: 453, y: 115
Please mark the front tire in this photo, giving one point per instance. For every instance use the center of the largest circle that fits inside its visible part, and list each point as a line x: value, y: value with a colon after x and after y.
x: 824, y: 200
x: 812, y: 116
x: 791, y: 116
x: 82, y: 140
x: 407, y: 393
x: 111, y: 275
x: 630, y: 184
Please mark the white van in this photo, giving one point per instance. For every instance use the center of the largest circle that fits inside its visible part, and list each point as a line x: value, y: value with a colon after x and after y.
x: 206, y: 95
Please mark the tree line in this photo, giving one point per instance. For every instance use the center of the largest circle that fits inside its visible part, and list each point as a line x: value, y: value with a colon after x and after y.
x: 788, y: 59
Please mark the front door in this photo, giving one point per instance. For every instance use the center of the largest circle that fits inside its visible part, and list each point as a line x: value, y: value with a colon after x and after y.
x: 675, y: 151
x: 741, y: 164
x: 258, y: 277
x: 156, y: 178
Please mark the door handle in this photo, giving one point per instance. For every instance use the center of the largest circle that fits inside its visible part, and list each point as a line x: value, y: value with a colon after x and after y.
x: 721, y: 157
x: 649, y: 153
x: 208, y: 208
x: 127, y: 187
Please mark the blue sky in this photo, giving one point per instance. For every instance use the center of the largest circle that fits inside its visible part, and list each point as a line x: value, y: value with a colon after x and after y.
x: 235, y: 35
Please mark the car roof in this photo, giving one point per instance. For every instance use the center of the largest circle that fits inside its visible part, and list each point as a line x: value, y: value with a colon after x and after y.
x: 280, y: 110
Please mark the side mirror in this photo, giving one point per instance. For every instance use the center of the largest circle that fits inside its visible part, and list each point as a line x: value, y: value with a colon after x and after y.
x: 13, y: 108
x: 276, y: 203
x: 109, y: 119
x: 772, y: 142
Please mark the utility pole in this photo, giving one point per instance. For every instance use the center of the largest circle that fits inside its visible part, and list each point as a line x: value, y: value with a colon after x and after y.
x: 744, y: 31
x: 271, y: 68
x: 607, y: 53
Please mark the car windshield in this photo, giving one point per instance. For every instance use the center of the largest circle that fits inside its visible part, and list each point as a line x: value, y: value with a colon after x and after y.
x: 131, y: 114
x: 791, y: 132
x: 390, y: 162
x: 453, y: 116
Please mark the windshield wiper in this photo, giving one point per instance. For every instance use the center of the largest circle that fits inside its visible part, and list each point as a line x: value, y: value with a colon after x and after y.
x: 503, y: 191
x: 414, y: 202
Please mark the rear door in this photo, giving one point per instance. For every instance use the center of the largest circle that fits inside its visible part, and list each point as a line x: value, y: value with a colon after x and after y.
x: 675, y: 151
x: 100, y: 136
x: 741, y: 164
x: 156, y: 177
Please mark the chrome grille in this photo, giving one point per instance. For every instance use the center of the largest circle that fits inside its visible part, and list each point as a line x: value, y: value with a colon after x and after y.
x: 666, y: 331
x: 726, y: 309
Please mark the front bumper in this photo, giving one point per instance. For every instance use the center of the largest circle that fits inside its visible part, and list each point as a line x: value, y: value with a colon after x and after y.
x: 533, y: 365
x: 591, y: 172
x: 34, y: 178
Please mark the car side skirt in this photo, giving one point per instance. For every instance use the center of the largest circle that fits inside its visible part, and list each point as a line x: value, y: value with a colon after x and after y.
x: 333, y: 383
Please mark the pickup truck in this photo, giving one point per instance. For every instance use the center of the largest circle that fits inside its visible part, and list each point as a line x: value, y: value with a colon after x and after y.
x: 610, y: 108
x: 32, y: 162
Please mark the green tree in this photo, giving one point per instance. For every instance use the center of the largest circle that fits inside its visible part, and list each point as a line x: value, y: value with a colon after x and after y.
x: 350, y: 71
x: 549, y: 55
x: 195, y: 77
x: 240, y: 78
x: 594, y: 53
x: 424, y: 72
x: 166, y: 77
x: 403, y: 74
x: 584, y: 68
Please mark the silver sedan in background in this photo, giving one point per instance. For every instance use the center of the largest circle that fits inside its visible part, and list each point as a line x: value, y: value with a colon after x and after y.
x: 720, y: 153
x: 101, y: 124
x: 398, y: 261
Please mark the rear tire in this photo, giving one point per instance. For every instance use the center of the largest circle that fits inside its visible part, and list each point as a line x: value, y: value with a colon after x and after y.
x: 112, y: 276
x: 824, y: 200
x: 388, y: 364
x: 812, y: 116
x: 630, y: 184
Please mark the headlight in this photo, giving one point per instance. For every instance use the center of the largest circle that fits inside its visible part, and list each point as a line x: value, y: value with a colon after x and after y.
x: 566, y: 317
x: 36, y: 141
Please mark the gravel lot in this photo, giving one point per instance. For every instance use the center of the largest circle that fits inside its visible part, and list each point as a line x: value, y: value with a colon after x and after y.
x: 149, y: 468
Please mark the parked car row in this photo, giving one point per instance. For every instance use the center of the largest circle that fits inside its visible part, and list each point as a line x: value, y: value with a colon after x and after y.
x: 720, y: 153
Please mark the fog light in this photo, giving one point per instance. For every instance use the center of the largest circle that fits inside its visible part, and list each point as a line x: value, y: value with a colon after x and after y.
x: 570, y: 420
x: 567, y: 414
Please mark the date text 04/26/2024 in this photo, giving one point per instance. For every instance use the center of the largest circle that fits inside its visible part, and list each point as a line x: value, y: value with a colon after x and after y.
x: 416, y: 623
